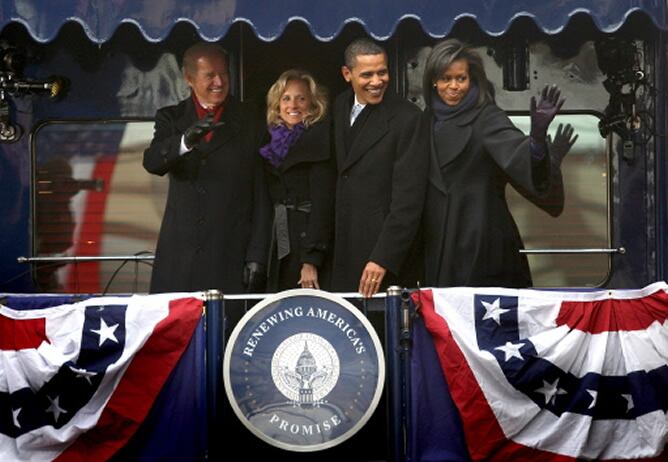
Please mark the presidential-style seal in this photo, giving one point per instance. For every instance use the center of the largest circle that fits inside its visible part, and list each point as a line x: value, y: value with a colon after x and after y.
x: 304, y: 370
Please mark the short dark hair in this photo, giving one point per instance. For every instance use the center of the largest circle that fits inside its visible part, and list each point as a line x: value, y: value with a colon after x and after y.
x: 440, y: 58
x: 200, y: 49
x: 362, y: 46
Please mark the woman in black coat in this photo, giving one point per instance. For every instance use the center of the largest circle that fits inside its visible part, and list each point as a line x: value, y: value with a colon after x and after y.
x: 300, y: 175
x: 471, y: 238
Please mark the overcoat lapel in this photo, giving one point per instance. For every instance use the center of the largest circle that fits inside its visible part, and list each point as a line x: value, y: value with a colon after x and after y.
x: 456, y: 135
x: 341, y: 116
x: 188, y: 117
x: 229, y: 128
x: 303, y: 151
x: 375, y: 128
x: 435, y: 176
x: 454, y: 139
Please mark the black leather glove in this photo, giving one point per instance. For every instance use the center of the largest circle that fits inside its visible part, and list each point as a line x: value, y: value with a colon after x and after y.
x: 543, y: 112
x: 198, y: 130
x: 255, y: 277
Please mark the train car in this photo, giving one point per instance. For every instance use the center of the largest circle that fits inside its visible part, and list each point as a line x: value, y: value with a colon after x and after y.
x: 80, y: 83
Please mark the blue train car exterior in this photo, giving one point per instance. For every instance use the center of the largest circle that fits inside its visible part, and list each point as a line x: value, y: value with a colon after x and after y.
x: 80, y: 83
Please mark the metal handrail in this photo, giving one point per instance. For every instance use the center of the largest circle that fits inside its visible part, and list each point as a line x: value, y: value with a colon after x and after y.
x: 91, y: 258
x: 88, y: 258
x: 620, y: 250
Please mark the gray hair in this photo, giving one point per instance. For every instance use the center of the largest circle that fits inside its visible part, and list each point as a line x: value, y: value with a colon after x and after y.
x: 362, y: 46
x: 442, y: 56
x: 200, y: 49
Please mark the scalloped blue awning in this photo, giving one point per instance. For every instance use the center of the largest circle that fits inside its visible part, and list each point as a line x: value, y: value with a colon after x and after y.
x: 325, y: 18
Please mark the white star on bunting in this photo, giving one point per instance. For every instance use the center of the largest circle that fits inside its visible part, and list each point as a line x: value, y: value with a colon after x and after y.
x: 83, y: 374
x: 511, y: 350
x: 106, y: 332
x: 55, y: 408
x: 494, y: 310
x: 550, y: 391
x: 629, y: 401
x: 594, y: 397
x: 15, y: 417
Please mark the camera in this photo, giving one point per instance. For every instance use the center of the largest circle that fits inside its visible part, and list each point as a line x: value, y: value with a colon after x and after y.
x: 619, y: 62
x: 13, y: 84
x: 12, y: 60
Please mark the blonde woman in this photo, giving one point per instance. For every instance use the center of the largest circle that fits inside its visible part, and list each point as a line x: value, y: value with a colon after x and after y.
x: 300, y: 175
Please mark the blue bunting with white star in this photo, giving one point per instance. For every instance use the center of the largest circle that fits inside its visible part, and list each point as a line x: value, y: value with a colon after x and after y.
x: 555, y: 376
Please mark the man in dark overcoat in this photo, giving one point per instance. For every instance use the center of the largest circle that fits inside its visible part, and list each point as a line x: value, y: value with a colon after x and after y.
x: 216, y: 220
x: 382, y: 159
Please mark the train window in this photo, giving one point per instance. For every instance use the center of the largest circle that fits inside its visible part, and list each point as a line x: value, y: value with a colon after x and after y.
x: 92, y: 197
x: 584, y: 222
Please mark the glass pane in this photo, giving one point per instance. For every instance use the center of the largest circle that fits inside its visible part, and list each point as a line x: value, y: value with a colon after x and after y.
x: 584, y: 221
x: 94, y: 198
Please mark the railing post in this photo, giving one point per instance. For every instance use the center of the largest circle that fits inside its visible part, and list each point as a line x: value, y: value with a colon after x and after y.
x: 394, y: 373
x: 406, y: 343
x: 215, y: 346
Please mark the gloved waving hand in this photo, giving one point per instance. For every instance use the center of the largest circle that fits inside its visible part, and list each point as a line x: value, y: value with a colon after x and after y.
x: 543, y: 112
x: 564, y: 139
x: 198, y: 130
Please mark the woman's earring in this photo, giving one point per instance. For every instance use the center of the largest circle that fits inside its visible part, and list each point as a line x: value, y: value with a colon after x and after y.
x: 434, y: 85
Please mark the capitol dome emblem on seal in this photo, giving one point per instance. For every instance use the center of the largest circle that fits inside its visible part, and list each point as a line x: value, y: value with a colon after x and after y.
x: 304, y: 370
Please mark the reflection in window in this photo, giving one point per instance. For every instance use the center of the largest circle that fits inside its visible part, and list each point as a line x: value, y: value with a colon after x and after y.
x: 584, y: 221
x: 93, y: 198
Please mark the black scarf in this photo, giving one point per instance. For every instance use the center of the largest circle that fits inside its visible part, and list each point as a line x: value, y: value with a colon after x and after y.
x: 443, y: 112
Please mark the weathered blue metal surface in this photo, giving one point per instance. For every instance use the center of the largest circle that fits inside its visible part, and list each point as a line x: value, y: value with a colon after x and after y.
x: 130, y: 78
x: 268, y: 18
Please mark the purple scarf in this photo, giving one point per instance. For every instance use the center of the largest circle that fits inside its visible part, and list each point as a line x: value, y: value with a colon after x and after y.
x: 282, y: 139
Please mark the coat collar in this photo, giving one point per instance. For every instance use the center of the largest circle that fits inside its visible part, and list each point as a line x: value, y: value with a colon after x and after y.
x: 312, y: 146
x: 458, y: 132
x: 464, y: 118
x: 375, y: 127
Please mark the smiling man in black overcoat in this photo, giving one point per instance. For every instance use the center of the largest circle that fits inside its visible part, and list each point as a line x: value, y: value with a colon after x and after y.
x: 382, y: 159
x: 214, y: 232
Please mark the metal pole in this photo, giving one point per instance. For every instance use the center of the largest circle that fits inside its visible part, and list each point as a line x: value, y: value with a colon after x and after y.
x: 620, y: 250
x: 393, y: 383
x: 215, y: 339
x: 87, y: 258
x: 406, y: 347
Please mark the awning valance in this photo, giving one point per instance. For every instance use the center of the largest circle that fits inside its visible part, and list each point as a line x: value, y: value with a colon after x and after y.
x: 325, y: 18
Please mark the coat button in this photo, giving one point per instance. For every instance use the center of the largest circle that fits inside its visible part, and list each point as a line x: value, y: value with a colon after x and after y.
x: 345, y: 177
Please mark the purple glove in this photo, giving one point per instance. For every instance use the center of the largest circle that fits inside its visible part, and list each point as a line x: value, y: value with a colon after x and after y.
x: 563, y: 141
x: 543, y: 112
